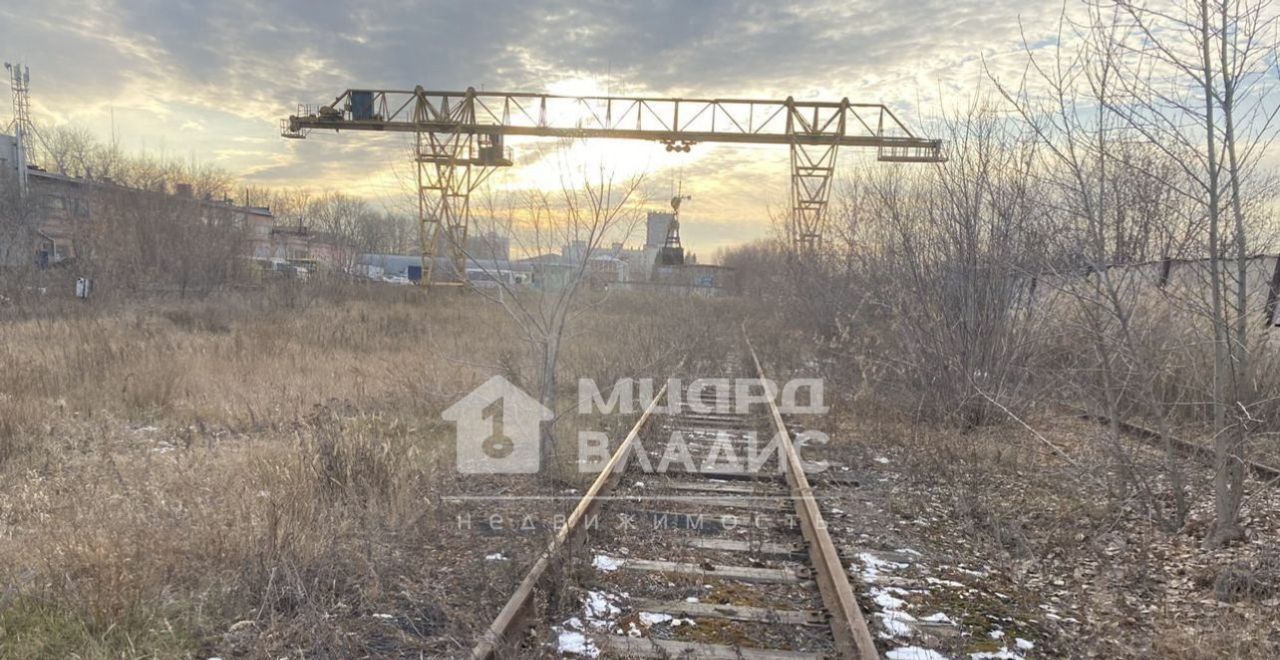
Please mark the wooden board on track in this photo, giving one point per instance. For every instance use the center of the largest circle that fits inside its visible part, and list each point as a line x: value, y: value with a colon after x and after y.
x: 741, y: 573
x: 648, y: 647
x: 731, y: 612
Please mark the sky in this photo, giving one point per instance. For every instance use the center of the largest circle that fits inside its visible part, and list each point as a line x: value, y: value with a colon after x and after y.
x: 208, y: 81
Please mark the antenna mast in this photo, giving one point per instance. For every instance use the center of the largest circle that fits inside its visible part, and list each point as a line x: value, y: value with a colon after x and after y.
x: 20, y: 85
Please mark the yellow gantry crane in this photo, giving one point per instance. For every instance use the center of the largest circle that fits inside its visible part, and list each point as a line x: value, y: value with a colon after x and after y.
x: 459, y: 141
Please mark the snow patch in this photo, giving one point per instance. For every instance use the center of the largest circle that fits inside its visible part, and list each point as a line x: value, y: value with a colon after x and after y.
x: 497, y: 556
x: 576, y: 643
x: 872, y: 566
x: 599, y: 608
x: 1024, y: 644
x: 654, y: 618
x: 939, y: 618
x: 606, y: 563
x: 885, y: 600
x: 914, y: 653
x: 897, y: 623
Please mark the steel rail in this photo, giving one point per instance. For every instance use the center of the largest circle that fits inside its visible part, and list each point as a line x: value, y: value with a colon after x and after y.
x: 849, y: 629
x: 848, y: 626
x: 508, y: 628
x: 1154, y: 438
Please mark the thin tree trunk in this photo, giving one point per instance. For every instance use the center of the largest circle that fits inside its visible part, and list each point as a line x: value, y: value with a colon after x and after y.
x: 547, y: 397
x: 1225, y: 524
x: 1231, y: 490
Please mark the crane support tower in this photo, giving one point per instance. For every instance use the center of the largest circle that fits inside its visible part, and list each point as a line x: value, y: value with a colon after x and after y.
x: 458, y: 139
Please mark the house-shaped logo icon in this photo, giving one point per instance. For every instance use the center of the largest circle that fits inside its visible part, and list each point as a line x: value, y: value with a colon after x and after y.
x: 498, y: 429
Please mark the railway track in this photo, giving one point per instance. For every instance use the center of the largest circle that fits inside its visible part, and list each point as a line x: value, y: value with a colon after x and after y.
x: 1205, y: 454
x: 674, y: 562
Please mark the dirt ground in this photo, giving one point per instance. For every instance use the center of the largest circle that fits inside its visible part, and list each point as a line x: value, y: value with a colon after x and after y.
x: 1025, y: 554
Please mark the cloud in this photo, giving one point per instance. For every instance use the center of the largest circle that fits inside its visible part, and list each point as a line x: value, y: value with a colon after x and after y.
x: 205, y: 74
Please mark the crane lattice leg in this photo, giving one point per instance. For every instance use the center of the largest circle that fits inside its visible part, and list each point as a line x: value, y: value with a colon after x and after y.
x: 812, y: 167
x: 448, y: 172
x: 444, y: 199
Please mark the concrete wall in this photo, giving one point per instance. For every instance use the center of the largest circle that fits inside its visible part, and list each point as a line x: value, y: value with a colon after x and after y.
x: 8, y: 154
x: 1175, y: 291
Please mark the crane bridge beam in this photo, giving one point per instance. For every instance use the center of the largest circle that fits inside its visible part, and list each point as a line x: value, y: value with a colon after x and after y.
x: 926, y: 147
x: 735, y: 121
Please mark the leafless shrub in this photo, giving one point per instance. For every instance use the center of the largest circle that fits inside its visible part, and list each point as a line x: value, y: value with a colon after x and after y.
x: 1257, y: 580
x: 202, y: 318
x: 940, y: 257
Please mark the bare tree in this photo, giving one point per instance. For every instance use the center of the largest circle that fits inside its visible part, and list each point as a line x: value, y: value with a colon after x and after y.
x: 591, y: 208
x: 1198, y: 74
x: 19, y: 222
x: 940, y: 254
x: 348, y: 221
x: 758, y: 267
x: 145, y: 238
x: 1114, y: 213
x: 68, y: 150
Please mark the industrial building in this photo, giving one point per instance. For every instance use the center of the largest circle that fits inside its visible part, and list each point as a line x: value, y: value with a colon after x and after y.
x: 656, y: 228
x: 1174, y: 288
x: 60, y: 207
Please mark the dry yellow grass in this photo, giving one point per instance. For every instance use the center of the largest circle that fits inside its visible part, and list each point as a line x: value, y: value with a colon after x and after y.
x: 245, y: 478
